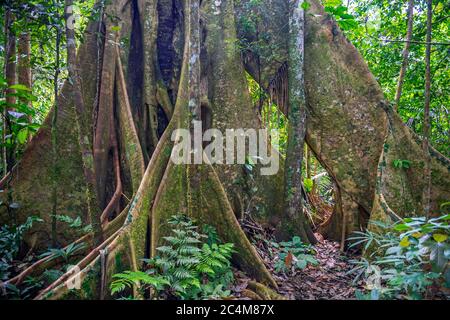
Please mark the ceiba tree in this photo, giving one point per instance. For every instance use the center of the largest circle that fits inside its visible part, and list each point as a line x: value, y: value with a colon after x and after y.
x: 149, y: 67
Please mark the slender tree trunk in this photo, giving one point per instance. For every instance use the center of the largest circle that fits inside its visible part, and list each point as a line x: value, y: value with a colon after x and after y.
x: 426, y: 120
x: 150, y: 107
x: 54, y: 138
x: 294, y: 222
x: 401, y: 77
x: 24, y: 65
x: 193, y: 174
x: 83, y: 129
x: 194, y: 61
x: 10, y: 74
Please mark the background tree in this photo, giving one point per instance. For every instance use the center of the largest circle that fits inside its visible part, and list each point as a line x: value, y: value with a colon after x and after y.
x: 401, y: 77
x: 294, y: 222
x: 426, y: 120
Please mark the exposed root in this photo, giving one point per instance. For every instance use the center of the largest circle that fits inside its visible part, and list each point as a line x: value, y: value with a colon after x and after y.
x: 115, y: 200
x: 50, y: 261
x: 42, y: 264
x: 129, y: 137
x: 102, y: 141
x: 164, y: 99
x: 82, y: 264
x: 251, y: 295
x: 264, y: 292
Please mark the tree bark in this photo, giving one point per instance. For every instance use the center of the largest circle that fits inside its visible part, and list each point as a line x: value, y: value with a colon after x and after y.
x: 426, y: 119
x: 294, y: 221
x: 404, y: 67
x: 24, y: 63
x: 24, y: 74
x: 11, y: 79
x: 94, y: 213
x: 54, y: 139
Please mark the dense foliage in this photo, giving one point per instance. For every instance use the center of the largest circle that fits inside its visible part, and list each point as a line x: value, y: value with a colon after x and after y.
x: 379, y: 35
x: 11, y: 244
x: 190, y: 265
x: 406, y: 260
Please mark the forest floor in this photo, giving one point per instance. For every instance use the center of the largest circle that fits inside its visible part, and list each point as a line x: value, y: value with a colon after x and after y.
x: 330, y: 279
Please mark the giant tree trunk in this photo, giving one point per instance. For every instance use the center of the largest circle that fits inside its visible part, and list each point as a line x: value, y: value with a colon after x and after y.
x: 352, y: 131
x: 350, y: 124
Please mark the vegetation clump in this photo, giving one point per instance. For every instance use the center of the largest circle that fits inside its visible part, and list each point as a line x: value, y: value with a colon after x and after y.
x: 407, y: 260
x: 190, y: 265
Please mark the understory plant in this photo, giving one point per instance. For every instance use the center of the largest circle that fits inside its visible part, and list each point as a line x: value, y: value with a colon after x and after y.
x: 11, y: 244
x: 11, y: 238
x: 17, y: 118
x: 64, y: 253
x: 405, y: 260
x: 294, y: 255
x: 190, y: 265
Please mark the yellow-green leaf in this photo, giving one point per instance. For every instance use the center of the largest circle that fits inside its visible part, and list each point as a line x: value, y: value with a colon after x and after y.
x: 405, y: 242
x: 22, y: 136
x: 439, y: 237
x: 417, y: 235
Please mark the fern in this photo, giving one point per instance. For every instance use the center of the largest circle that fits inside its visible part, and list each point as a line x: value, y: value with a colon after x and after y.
x: 138, y: 278
x: 190, y: 265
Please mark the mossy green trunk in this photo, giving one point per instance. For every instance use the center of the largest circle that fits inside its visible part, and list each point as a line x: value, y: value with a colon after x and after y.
x: 294, y: 221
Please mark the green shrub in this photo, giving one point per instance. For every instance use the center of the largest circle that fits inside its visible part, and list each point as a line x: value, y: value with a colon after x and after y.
x: 64, y: 253
x: 294, y: 255
x: 406, y: 259
x: 11, y: 238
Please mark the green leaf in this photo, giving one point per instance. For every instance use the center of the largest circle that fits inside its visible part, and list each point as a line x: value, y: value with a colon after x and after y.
x: 301, y: 264
x: 332, y: 3
x: 305, y: 5
x: 20, y: 87
x: 308, y: 184
x: 439, y: 237
x: 402, y: 227
x: 115, y: 28
x: 404, y: 243
x: 22, y: 136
